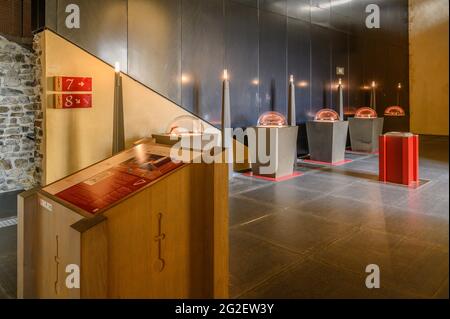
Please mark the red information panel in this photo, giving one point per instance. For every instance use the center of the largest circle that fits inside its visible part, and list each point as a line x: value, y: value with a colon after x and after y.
x: 73, y: 101
x: 73, y: 84
x: 108, y: 187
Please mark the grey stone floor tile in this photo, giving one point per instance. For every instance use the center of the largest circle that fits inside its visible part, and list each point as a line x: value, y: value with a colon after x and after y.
x: 315, y: 182
x: 375, y: 193
x: 344, y: 210
x: 427, y: 202
x: 428, y: 228
x: 296, y: 231
x: 314, y: 280
x: 8, y: 204
x: 282, y: 196
x: 8, y: 240
x: 405, y: 264
x: 8, y: 276
x: 253, y: 260
x: 243, y: 210
x: 241, y: 183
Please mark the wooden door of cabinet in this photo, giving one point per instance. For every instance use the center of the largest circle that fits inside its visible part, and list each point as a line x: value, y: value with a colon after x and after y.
x: 58, y: 245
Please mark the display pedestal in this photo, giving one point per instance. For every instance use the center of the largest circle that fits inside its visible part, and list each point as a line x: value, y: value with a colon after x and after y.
x: 280, y: 145
x: 399, y: 158
x: 327, y: 140
x: 136, y: 225
x: 364, y: 133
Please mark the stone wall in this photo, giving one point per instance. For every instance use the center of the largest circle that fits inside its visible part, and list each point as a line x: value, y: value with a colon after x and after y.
x: 19, y: 109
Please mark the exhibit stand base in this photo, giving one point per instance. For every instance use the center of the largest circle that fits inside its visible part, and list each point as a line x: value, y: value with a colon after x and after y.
x: 364, y: 133
x: 327, y: 140
x: 399, y: 158
x: 271, y: 179
x: 136, y: 225
x: 279, y: 156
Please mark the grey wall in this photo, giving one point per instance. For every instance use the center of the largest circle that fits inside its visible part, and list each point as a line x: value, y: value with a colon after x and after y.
x: 179, y: 48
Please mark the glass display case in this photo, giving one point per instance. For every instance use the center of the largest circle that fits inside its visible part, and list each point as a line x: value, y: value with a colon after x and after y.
x: 327, y: 115
x: 366, y: 113
x: 185, y: 125
x: 272, y: 119
x: 395, y: 111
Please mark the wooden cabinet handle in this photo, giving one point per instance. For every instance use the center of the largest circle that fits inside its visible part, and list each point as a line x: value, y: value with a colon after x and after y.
x: 160, y: 263
x: 57, y: 261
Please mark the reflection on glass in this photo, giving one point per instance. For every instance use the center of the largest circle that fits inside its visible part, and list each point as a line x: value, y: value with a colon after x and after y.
x: 327, y: 115
x: 185, y: 125
x: 272, y: 119
x: 366, y: 113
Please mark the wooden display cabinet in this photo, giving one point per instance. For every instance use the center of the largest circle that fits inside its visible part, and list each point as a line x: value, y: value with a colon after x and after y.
x: 167, y: 239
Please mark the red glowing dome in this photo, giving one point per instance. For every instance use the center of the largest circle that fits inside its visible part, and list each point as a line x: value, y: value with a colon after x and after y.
x: 366, y: 113
x: 327, y: 115
x: 272, y: 118
x: 394, y: 111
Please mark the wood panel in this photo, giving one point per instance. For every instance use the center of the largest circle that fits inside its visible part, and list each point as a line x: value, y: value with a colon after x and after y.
x: 94, y: 262
x: 27, y: 210
x: 57, y: 246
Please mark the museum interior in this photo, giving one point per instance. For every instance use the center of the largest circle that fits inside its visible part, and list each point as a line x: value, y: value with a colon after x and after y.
x: 244, y: 149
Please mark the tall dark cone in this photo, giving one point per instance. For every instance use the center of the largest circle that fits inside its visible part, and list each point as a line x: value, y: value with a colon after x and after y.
x: 118, y: 123
x: 292, y: 120
x: 291, y: 103
x: 341, y: 101
x: 227, y: 138
x: 373, y: 97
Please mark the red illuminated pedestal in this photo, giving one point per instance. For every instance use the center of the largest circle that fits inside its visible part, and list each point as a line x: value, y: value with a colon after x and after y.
x: 399, y: 158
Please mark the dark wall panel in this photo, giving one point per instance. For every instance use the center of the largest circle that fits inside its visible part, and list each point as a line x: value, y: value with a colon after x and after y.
x: 272, y: 62
x: 241, y: 59
x: 299, y: 56
x: 154, y: 45
x: 321, y: 12
x: 320, y: 69
x: 180, y: 48
x: 202, y: 58
x: 103, y: 29
x: 299, y: 9
x: 276, y: 6
x: 339, y: 56
x: 299, y: 46
x: 356, y: 72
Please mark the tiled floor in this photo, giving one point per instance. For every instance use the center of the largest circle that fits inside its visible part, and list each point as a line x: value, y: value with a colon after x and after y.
x: 313, y: 236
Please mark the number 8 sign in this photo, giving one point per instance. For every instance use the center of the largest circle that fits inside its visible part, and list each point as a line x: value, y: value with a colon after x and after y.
x: 73, y: 101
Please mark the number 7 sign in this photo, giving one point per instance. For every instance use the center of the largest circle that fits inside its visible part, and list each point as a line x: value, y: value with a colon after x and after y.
x: 73, y: 84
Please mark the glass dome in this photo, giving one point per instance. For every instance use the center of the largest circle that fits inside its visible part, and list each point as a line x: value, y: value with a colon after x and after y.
x: 184, y: 125
x: 327, y: 115
x: 272, y: 119
x: 394, y: 111
x: 366, y: 113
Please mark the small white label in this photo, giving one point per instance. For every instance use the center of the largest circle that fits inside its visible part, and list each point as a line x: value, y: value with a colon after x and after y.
x: 46, y: 205
x: 340, y: 70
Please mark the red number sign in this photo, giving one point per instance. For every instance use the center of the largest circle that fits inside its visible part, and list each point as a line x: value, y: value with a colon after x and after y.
x: 73, y: 101
x: 73, y: 84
